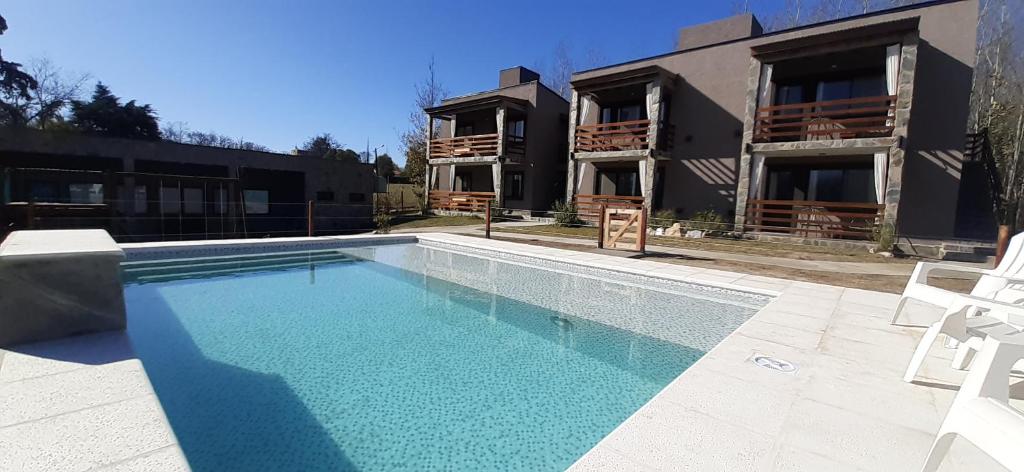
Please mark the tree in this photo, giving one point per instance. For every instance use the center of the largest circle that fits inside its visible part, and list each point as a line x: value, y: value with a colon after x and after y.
x: 559, y: 76
x: 14, y: 83
x: 45, y: 105
x: 386, y: 166
x: 429, y: 93
x: 104, y: 115
x: 325, y: 146
x: 180, y: 133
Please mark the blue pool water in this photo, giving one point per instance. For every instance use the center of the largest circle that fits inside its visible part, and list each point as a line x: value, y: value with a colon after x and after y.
x: 335, y: 360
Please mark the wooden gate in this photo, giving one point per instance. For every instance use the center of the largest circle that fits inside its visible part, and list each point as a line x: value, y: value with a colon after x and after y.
x: 623, y: 228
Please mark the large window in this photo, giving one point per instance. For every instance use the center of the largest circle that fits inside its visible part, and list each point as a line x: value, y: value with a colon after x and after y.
x: 516, y: 128
x: 193, y: 201
x: 43, y: 192
x: 170, y: 200
x: 257, y: 202
x: 620, y: 113
x: 513, y: 185
x: 849, y: 184
x: 85, y: 193
x: 620, y: 182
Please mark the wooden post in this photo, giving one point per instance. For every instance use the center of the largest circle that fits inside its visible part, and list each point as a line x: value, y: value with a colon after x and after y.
x: 642, y: 236
x: 310, y: 207
x: 487, y: 220
x: 600, y: 226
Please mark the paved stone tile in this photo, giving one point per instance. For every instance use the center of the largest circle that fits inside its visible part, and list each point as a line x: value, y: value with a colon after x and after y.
x: 87, y: 438
x: 795, y: 337
x: 40, y: 397
x: 854, y: 439
x: 806, y: 323
x: 793, y: 459
x: 168, y: 459
x: 607, y: 459
x: 34, y: 360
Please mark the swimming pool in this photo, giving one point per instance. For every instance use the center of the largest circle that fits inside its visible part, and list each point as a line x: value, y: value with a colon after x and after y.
x: 409, y: 356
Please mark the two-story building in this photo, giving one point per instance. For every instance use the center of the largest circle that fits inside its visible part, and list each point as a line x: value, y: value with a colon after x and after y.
x: 828, y: 130
x: 506, y: 145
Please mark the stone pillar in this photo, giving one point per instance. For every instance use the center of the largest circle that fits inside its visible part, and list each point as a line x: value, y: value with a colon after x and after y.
x: 647, y: 167
x: 654, y: 112
x: 496, y: 182
x: 570, y: 176
x: 904, y: 99
x: 427, y: 177
x: 500, y: 118
x: 743, y: 177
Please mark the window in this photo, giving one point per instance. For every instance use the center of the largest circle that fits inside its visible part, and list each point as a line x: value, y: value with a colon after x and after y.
x: 617, y: 114
x: 619, y: 182
x: 170, y: 200
x: 42, y: 192
x: 517, y: 128
x: 141, y: 202
x: 193, y: 201
x: 220, y: 207
x: 463, y: 182
x: 325, y: 196
x: 355, y: 197
x: 464, y: 130
x: 257, y: 202
x: 513, y: 186
x: 85, y: 193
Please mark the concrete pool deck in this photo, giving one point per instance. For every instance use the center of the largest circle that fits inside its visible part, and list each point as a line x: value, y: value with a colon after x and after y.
x: 85, y: 403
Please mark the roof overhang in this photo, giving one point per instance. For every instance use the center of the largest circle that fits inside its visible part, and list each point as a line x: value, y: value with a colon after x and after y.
x: 880, y: 31
x: 471, y: 103
x: 626, y: 77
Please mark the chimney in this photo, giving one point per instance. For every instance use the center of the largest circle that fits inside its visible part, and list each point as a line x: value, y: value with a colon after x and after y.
x: 515, y: 76
x: 735, y: 27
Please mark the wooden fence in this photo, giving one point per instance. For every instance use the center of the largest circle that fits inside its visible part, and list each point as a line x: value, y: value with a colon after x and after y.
x: 460, y: 201
x: 864, y: 117
x: 815, y: 219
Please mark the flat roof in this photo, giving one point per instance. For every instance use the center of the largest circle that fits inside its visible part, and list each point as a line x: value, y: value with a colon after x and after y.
x: 779, y: 32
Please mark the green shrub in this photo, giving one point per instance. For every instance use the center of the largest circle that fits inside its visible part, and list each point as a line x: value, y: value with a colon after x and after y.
x: 565, y: 213
x: 707, y: 220
x: 662, y: 218
x: 382, y: 220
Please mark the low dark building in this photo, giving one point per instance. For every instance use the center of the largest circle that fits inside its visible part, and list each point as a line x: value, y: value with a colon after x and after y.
x: 158, y: 190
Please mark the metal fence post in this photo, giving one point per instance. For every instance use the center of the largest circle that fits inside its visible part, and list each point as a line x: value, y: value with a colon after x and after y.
x: 642, y: 236
x: 309, y: 218
x: 600, y: 226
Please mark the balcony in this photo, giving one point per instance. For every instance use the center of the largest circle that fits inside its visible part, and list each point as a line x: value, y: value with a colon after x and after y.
x: 460, y: 201
x: 814, y: 219
x: 622, y: 136
x: 478, y: 145
x: 864, y: 117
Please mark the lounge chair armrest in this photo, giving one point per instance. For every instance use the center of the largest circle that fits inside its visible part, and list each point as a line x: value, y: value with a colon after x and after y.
x: 1005, y: 312
x: 924, y: 268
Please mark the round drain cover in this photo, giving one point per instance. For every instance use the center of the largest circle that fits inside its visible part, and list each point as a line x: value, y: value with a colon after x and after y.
x: 774, y: 363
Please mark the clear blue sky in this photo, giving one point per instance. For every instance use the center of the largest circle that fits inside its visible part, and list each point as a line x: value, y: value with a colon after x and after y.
x: 277, y: 72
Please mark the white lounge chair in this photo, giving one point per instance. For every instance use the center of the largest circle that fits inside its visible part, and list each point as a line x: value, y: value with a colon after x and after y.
x: 981, y: 412
x: 992, y: 281
x: 969, y: 331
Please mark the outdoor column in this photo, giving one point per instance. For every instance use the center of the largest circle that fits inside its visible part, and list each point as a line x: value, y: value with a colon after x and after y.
x: 653, y: 112
x: 570, y: 181
x: 500, y: 117
x: 428, y: 177
x: 904, y: 98
x: 647, y: 166
x: 743, y: 176
x: 496, y: 183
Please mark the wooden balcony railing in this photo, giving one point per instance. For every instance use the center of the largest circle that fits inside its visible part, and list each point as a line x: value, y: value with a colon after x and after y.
x: 621, y: 136
x: 588, y: 207
x: 460, y: 201
x: 464, y: 146
x: 815, y: 219
x: 864, y: 117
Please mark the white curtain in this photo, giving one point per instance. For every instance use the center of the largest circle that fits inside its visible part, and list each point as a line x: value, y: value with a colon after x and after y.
x: 586, y: 175
x: 892, y: 74
x: 766, y: 87
x: 881, y: 175
x: 452, y: 124
x: 587, y: 110
x: 757, y: 176
x: 433, y: 177
x: 451, y: 179
x: 643, y: 176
